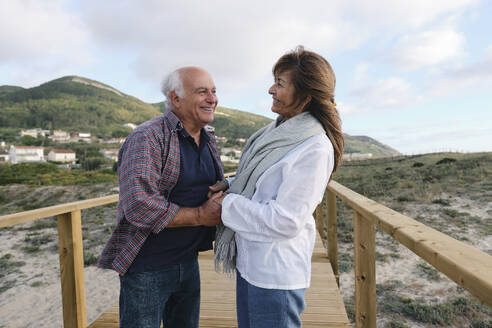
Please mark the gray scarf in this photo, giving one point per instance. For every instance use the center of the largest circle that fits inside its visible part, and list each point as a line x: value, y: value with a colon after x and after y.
x: 263, y: 149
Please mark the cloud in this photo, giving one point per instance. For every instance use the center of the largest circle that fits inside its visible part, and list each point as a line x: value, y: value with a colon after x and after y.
x: 477, y: 74
x: 433, y: 140
x: 39, y: 38
x: 401, y: 15
x: 234, y: 40
x: 240, y: 41
x: 389, y: 93
x: 428, y: 48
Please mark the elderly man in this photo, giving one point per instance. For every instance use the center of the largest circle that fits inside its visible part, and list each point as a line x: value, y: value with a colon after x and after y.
x: 164, y: 218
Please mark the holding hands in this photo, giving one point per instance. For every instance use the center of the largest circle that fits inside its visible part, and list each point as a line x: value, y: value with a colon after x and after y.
x: 209, y: 213
x: 218, y: 188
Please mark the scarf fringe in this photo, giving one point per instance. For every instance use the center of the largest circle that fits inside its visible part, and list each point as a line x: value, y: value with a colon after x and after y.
x: 225, y: 251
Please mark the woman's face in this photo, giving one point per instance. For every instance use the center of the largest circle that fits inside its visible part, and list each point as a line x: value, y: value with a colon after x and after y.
x: 283, y: 94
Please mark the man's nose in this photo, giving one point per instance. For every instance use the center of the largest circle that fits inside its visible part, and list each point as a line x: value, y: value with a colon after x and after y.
x: 271, y: 90
x: 211, y: 97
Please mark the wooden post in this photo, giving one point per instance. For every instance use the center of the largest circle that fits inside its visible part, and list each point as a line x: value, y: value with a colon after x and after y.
x: 332, y: 234
x: 365, y: 272
x: 72, y: 269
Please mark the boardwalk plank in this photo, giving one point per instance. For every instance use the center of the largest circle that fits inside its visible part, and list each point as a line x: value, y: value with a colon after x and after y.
x: 325, y: 307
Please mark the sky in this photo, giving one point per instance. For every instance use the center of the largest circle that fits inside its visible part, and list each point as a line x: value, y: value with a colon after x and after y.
x: 415, y: 75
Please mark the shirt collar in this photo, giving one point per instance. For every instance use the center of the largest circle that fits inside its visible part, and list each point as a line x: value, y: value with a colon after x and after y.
x: 176, y: 125
x: 173, y: 120
x: 204, y: 137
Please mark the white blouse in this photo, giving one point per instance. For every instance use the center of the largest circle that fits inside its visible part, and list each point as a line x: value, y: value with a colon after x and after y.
x: 275, y: 230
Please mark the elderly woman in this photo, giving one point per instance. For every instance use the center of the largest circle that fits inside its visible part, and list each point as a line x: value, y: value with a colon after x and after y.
x: 281, y: 178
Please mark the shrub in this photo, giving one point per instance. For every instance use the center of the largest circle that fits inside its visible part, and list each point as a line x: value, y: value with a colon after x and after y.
x: 90, y: 259
x: 395, y: 324
x: 345, y: 262
x: 441, y: 202
x: 8, y: 266
x: 30, y: 249
x: 479, y: 323
x: 7, y: 285
x: 454, y: 213
x: 417, y: 164
x: 445, y: 160
x: 36, y: 284
x: 404, y: 198
x: 428, y: 271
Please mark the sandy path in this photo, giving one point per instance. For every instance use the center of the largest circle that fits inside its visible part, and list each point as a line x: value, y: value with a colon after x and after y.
x: 39, y: 305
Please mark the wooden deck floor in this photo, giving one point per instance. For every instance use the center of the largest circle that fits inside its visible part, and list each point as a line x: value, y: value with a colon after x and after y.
x: 218, y: 309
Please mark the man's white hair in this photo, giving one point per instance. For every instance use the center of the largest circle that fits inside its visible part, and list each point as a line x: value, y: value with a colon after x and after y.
x: 172, y: 82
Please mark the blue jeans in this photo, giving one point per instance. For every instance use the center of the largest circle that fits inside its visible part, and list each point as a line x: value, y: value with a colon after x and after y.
x: 268, y: 308
x: 170, y: 296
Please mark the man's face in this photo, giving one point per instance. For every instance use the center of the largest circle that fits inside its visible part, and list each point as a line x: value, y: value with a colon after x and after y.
x: 197, y: 106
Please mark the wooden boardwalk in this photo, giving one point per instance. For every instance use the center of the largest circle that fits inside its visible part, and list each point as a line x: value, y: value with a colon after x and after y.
x: 325, y: 307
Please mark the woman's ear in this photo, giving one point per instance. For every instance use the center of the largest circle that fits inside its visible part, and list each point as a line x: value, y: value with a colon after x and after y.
x: 306, y: 102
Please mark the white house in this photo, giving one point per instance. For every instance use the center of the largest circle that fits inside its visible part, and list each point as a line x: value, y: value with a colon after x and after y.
x: 62, y: 155
x: 20, y: 154
x: 115, y: 140
x: 229, y: 151
x: 130, y: 125
x: 356, y: 156
x: 81, y: 136
x: 33, y: 132
x: 110, y: 153
x: 229, y: 159
x: 60, y: 136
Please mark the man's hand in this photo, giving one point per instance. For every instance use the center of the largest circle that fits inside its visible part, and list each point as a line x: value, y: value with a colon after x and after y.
x: 210, y: 211
x: 219, y: 200
x: 222, y: 185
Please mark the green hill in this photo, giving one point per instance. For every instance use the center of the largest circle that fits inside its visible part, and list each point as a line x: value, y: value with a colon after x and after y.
x: 364, y: 144
x: 4, y: 89
x: 74, y: 103
x: 233, y: 123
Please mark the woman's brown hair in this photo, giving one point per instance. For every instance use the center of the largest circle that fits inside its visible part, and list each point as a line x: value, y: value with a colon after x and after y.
x: 313, y: 76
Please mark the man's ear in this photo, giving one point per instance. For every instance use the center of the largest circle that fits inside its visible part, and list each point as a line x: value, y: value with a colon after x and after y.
x: 175, y: 100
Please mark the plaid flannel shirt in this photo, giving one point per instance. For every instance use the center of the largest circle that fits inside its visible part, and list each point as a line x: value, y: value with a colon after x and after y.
x: 148, y: 169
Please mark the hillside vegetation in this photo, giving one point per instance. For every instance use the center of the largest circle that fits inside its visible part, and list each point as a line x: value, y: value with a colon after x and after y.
x: 364, y: 144
x: 78, y: 104
x: 69, y: 104
x: 5, y: 89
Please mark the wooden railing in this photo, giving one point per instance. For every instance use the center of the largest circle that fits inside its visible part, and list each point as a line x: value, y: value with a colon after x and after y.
x: 70, y: 249
x: 467, y: 266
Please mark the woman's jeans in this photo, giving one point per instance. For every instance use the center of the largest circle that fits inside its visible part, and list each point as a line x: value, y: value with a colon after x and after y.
x: 268, y: 308
x: 171, y: 296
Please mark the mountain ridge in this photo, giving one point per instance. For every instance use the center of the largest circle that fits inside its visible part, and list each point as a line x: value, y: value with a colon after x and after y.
x: 76, y: 103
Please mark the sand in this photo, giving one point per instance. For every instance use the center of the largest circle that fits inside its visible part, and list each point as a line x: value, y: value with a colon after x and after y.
x: 35, y: 298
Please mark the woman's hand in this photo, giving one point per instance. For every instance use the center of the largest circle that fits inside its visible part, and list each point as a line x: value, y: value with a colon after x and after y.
x: 219, y: 199
x: 222, y: 185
